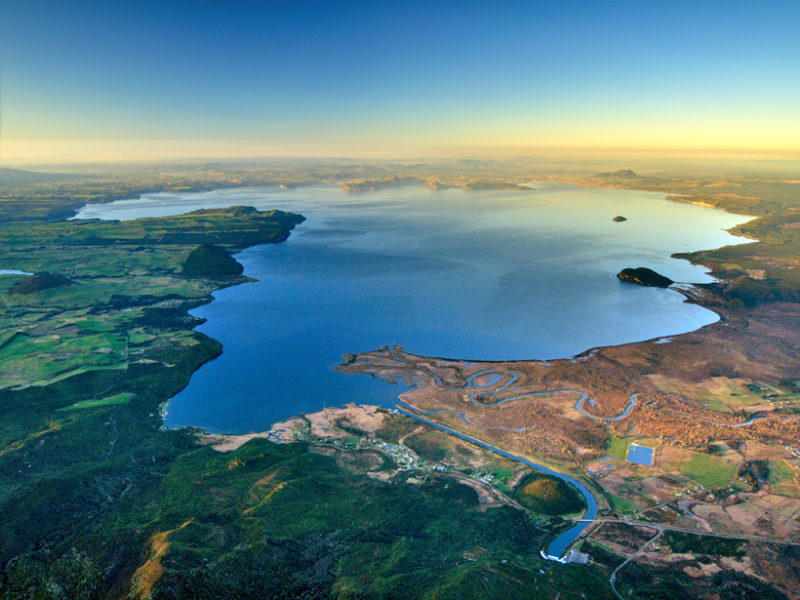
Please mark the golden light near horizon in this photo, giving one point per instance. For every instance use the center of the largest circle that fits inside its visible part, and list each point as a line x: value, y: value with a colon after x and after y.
x: 382, y: 81
x: 67, y: 152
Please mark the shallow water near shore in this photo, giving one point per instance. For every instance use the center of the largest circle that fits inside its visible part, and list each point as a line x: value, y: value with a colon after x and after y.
x: 493, y: 275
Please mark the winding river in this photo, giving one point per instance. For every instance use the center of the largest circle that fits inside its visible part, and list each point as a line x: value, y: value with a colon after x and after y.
x: 558, y: 547
x: 496, y: 381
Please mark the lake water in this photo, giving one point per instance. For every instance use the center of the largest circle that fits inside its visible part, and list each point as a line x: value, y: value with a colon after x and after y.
x: 475, y: 275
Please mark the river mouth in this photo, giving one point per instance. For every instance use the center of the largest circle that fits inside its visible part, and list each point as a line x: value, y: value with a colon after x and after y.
x: 495, y: 275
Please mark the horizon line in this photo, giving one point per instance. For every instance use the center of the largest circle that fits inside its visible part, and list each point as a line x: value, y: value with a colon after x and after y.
x: 550, y: 153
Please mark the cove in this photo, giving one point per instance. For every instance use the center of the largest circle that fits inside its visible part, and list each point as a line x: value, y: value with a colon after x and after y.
x: 489, y: 275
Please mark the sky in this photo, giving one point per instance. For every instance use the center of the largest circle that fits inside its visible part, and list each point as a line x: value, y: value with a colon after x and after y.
x: 119, y: 80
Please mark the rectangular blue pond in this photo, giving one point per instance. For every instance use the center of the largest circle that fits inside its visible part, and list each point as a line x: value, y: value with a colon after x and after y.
x: 641, y: 455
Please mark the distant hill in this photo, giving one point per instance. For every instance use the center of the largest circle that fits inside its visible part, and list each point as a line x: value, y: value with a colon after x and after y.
x: 212, y: 261
x: 39, y: 283
x: 548, y: 495
x: 20, y: 177
x: 621, y: 174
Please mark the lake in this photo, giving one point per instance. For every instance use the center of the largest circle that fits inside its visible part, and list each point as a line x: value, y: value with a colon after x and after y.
x: 489, y: 275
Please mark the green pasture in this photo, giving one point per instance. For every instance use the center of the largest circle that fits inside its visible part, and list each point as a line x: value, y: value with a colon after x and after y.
x: 121, y: 398
x: 708, y: 471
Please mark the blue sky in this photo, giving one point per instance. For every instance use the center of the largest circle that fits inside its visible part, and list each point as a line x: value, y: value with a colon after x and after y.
x: 120, y: 79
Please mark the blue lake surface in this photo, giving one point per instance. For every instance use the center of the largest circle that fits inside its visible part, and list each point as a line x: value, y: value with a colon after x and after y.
x: 489, y: 275
x: 641, y: 455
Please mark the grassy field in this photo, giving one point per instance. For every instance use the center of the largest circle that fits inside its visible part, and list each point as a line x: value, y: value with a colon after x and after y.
x: 624, y: 505
x: 784, y: 479
x: 120, y: 398
x: 720, y: 394
x: 708, y: 471
x: 618, y: 448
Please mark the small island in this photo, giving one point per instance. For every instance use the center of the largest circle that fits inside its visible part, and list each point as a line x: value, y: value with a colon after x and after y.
x: 619, y: 219
x: 619, y: 174
x: 645, y: 276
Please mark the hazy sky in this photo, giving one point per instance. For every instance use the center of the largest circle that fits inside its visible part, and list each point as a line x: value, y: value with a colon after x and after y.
x: 115, y: 80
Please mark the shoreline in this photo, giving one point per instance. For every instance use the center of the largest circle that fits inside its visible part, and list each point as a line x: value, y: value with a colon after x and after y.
x: 685, y: 289
x: 284, y: 431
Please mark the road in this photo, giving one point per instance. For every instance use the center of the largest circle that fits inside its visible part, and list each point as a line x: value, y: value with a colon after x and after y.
x: 749, y: 538
x: 660, y: 531
x: 613, y: 577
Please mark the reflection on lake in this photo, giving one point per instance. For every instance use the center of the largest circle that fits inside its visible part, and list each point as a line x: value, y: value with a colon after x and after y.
x: 476, y: 275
